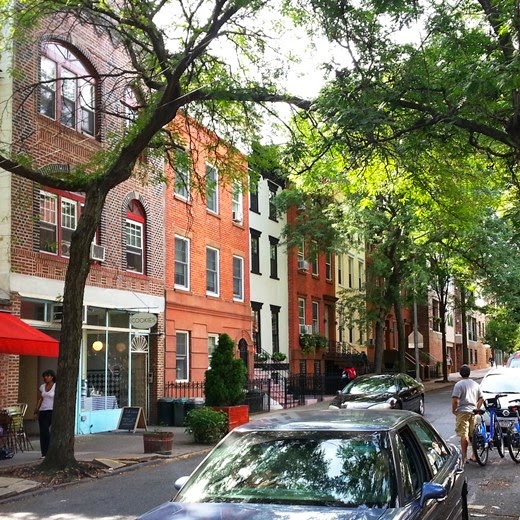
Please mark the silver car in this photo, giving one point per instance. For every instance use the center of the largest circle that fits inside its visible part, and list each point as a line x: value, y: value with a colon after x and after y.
x: 325, y: 465
x: 502, y: 380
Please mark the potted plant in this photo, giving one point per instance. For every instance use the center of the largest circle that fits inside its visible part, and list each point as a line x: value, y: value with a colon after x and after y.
x: 158, y: 441
x: 307, y: 343
x: 278, y: 357
x: 206, y: 425
x: 224, y: 383
x: 261, y: 357
x: 320, y: 341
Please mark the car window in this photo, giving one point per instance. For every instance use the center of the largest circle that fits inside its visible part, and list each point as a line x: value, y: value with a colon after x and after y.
x: 409, y: 381
x: 371, y: 385
x: 298, y: 468
x: 411, y: 466
x: 498, y: 383
x: 436, y: 451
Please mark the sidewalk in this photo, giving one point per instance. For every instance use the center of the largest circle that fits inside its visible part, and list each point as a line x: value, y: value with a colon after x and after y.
x: 120, y: 450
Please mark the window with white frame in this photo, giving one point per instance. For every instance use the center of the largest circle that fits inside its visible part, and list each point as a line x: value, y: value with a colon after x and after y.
x: 301, y: 311
x: 301, y: 255
x: 315, y: 317
x: 211, y: 188
x: 58, y: 218
x: 182, y: 263
x: 328, y: 266
x: 67, y: 89
x: 340, y: 269
x: 182, y: 351
x: 315, y: 261
x: 361, y: 274
x: 182, y: 174
x: 135, y: 239
x: 237, y: 205
x: 212, y: 345
x: 273, y: 257
x: 48, y: 222
x: 350, y: 272
x: 212, y: 271
x: 238, y: 278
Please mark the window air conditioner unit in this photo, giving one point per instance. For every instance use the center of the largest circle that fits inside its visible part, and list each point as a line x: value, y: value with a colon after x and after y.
x: 237, y: 216
x: 97, y: 252
x: 305, y: 329
x: 303, y: 265
x: 56, y: 312
x: 65, y: 249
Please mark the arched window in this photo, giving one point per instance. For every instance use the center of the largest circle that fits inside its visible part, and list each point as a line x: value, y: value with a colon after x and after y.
x: 67, y: 89
x: 135, y: 227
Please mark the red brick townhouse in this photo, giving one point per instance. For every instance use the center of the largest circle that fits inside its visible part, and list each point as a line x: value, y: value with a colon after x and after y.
x: 311, y: 306
x: 207, y: 253
x: 61, y: 124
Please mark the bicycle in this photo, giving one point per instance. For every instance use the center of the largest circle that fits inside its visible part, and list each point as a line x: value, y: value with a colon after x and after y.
x: 513, y: 432
x: 483, y: 440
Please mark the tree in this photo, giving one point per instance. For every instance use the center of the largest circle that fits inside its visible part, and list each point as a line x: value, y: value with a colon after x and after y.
x: 224, y: 384
x: 421, y: 77
x: 170, y: 67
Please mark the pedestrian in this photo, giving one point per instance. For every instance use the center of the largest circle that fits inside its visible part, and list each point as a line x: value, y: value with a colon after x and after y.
x: 466, y: 396
x: 448, y: 363
x: 44, y: 408
x: 349, y: 373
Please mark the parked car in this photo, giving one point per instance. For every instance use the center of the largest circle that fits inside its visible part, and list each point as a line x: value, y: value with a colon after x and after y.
x: 514, y: 360
x: 383, y: 391
x: 325, y: 464
x: 502, y: 380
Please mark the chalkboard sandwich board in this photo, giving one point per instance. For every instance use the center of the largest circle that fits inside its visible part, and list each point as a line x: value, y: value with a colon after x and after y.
x: 132, y: 417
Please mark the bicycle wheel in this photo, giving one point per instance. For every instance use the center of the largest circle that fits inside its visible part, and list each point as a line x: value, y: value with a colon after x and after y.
x: 498, y: 439
x: 513, y: 441
x: 480, y: 445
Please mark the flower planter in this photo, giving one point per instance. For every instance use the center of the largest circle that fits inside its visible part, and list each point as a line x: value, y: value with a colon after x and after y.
x: 237, y: 415
x: 158, y: 442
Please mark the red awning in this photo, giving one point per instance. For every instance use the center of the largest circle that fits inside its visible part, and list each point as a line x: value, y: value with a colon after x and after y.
x: 16, y: 337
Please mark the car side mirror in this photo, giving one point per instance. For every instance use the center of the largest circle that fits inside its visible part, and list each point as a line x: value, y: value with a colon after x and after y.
x: 180, y: 482
x: 432, y: 490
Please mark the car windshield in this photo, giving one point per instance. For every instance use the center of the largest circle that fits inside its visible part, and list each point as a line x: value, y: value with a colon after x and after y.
x: 514, y: 363
x: 318, y: 468
x: 371, y: 385
x: 500, y: 383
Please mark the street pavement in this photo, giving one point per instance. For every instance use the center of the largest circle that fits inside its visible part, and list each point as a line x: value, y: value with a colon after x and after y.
x: 123, y: 450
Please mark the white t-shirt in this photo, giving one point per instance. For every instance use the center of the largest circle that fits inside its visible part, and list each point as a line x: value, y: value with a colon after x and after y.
x: 47, y: 397
x: 468, y: 392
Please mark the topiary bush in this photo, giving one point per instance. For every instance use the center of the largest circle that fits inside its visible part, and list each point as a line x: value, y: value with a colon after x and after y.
x: 225, y: 380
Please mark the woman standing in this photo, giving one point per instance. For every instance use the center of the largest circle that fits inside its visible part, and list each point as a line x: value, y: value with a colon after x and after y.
x: 44, y: 408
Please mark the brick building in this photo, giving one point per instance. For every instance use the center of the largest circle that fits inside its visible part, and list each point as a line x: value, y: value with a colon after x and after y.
x: 61, y: 123
x: 207, y: 253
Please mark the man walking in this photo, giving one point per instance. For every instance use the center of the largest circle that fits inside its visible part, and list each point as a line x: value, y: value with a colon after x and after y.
x: 466, y: 396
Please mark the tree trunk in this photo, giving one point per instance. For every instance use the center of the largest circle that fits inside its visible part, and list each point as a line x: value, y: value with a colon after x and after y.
x: 61, y: 449
x: 378, y: 355
x: 401, y: 338
x: 465, y: 353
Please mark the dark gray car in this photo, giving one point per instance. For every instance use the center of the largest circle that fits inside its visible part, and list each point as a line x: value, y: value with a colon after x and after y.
x: 383, y: 392
x: 325, y: 464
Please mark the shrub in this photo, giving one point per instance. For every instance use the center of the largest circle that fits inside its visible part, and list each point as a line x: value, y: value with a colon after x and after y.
x: 225, y: 380
x: 206, y: 425
x: 278, y: 356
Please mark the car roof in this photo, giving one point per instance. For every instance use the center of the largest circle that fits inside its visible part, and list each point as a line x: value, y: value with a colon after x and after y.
x: 330, y: 420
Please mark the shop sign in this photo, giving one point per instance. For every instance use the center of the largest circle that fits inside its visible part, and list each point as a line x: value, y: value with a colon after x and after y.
x: 143, y: 320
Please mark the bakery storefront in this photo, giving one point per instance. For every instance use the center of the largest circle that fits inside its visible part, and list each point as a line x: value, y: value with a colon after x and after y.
x: 114, y: 367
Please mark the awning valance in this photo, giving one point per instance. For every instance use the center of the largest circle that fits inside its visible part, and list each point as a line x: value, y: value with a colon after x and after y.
x: 16, y: 337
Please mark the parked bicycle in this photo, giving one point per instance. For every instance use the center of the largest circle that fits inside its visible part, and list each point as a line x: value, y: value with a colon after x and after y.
x: 485, y: 439
x: 513, y: 431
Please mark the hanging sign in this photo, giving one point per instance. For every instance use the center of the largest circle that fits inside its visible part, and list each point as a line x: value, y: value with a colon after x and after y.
x: 143, y: 320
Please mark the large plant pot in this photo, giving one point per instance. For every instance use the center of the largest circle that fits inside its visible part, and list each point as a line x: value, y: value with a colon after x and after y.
x: 237, y: 415
x: 158, y: 442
